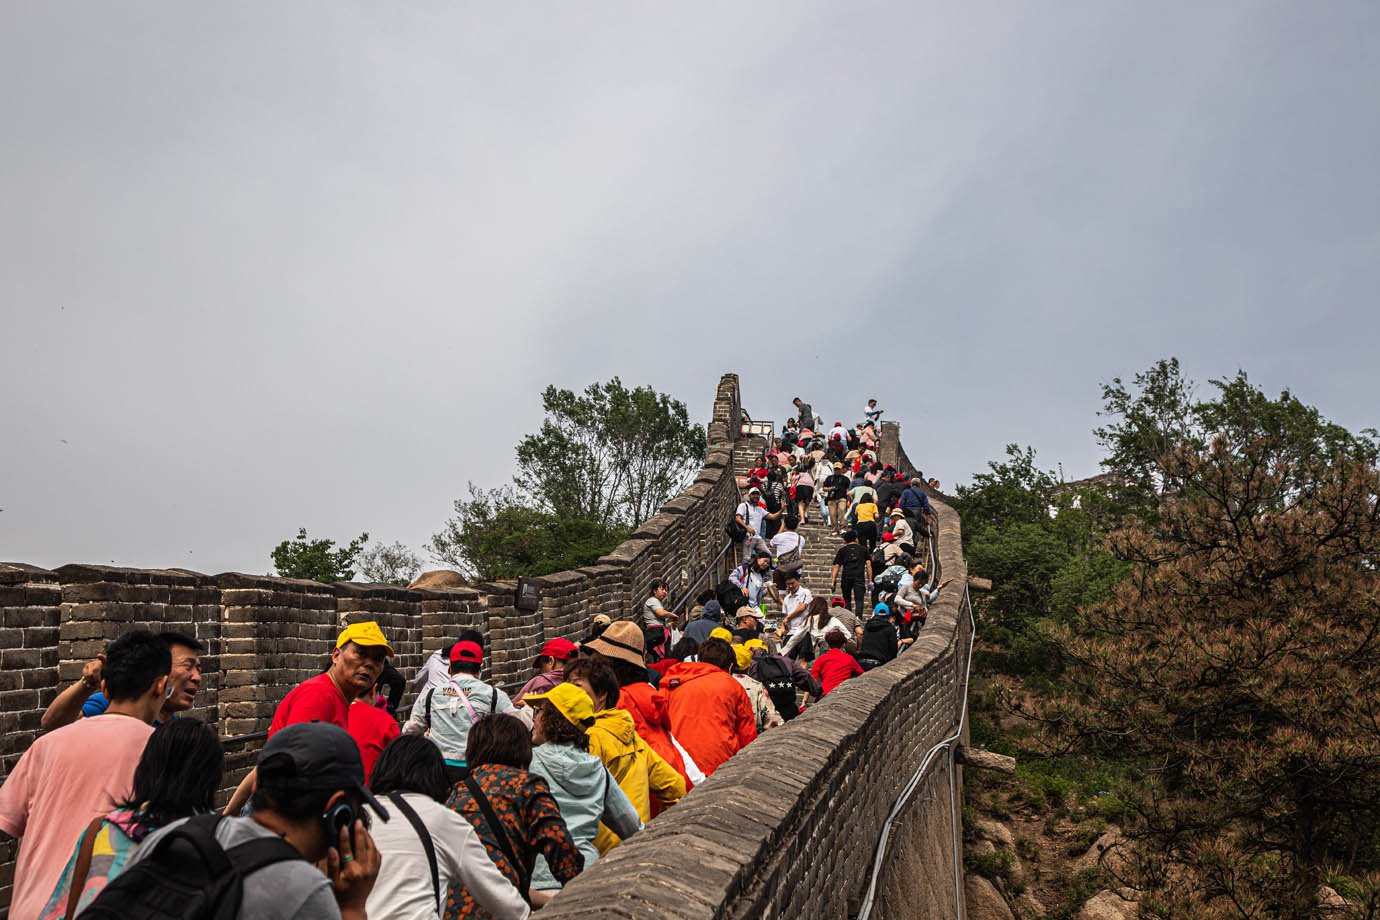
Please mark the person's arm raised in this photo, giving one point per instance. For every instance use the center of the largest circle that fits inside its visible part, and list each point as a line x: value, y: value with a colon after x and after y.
x: 66, y: 708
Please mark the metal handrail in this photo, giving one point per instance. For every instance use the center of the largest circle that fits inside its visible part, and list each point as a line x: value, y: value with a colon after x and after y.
x: 713, y: 566
x: 947, y: 746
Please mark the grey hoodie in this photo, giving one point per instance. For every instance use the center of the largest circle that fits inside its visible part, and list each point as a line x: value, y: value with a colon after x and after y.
x: 586, y: 794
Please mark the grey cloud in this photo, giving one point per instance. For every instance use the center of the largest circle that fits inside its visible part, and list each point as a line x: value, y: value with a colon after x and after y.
x: 266, y: 266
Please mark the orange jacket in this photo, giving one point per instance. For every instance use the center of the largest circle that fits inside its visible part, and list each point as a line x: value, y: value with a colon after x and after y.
x: 710, y: 713
x: 647, y: 705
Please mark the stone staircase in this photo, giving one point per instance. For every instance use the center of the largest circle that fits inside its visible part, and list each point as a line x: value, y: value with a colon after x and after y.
x: 820, y: 542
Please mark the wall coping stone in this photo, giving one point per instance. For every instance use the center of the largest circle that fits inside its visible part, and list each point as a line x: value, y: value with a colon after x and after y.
x: 18, y: 573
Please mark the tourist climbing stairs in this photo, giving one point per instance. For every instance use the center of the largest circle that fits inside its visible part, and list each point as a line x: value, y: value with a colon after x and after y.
x: 821, y: 543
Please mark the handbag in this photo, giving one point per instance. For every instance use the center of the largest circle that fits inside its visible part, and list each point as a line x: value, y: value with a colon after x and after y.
x: 501, y: 835
x: 791, y: 560
x: 83, y: 867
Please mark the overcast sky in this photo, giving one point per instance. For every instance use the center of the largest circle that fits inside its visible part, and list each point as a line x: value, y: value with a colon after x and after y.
x: 265, y: 266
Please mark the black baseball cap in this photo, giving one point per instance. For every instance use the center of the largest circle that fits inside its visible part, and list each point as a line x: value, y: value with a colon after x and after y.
x: 314, y: 757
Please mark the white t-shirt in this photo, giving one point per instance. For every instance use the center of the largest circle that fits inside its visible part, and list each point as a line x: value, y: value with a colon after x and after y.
x: 404, y: 891
x: 796, y: 603
x: 753, y: 514
x: 816, y: 634
x: 435, y: 672
x: 786, y: 541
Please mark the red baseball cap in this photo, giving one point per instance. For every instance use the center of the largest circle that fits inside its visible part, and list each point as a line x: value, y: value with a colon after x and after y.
x: 837, y: 602
x: 560, y: 649
x: 467, y: 651
x: 888, y: 536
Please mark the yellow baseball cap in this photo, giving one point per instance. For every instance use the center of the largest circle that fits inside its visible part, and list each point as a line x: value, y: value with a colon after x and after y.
x: 752, y: 644
x: 744, y: 656
x: 571, y: 701
x: 718, y: 632
x: 366, y: 633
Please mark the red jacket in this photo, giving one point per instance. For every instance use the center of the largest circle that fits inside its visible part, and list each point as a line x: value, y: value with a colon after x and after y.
x: 710, y: 712
x: 651, y: 718
x: 834, y: 667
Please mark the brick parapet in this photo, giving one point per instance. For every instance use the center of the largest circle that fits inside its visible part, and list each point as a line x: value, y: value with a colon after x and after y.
x: 264, y: 635
x: 823, y: 785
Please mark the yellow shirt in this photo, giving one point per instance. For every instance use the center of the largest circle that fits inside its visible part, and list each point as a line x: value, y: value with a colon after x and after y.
x: 867, y: 512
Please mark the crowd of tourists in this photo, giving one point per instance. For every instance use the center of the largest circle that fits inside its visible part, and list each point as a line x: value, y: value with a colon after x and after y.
x: 480, y: 802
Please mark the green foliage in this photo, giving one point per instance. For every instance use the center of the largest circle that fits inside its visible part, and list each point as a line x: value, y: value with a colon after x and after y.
x: 603, y: 462
x: 492, y: 535
x: 610, y: 454
x: 1148, y: 422
x: 1240, y: 656
x: 1085, y: 578
x: 1022, y: 560
x: 389, y: 565
x: 1078, y: 890
x: 993, y: 864
x: 1198, y: 632
x: 1011, y: 492
x: 1159, y: 418
x: 317, y: 560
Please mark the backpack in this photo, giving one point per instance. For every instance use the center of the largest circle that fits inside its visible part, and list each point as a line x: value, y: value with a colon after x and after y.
x: 884, y: 588
x: 776, y: 677
x: 879, y: 563
x: 736, y: 532
x: 188, y: 875
x: 730, y: 597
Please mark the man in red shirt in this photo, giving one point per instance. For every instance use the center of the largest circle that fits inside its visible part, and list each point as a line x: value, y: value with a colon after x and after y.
x: 834, y: 666
x: 356, y: 664
x: 373, y: 728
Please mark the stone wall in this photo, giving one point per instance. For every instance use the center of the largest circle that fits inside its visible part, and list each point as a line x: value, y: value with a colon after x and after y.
x: 264, y: 635
x: 787, y: 828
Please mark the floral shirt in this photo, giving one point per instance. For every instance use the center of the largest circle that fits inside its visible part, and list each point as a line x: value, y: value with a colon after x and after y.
x: 116, y: 839
x: 529, y: 813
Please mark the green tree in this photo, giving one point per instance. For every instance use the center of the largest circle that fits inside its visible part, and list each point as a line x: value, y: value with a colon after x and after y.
x: 1159, y: 415
x: 1239, y: 664
x: 493, y: 535
x: 317, y: 560
x: 1014, y: 491
x: 1148, y: 420
x: 610, y: 455
x: 389, y: 565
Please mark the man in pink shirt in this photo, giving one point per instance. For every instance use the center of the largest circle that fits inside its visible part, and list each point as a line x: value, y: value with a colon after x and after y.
x: 72, y: 774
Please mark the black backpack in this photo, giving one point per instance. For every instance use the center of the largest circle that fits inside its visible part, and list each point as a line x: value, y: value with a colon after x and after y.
x: 776, y: 677
x: 188, y: 876
x: 730, y: 598
x: 879, y: 563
